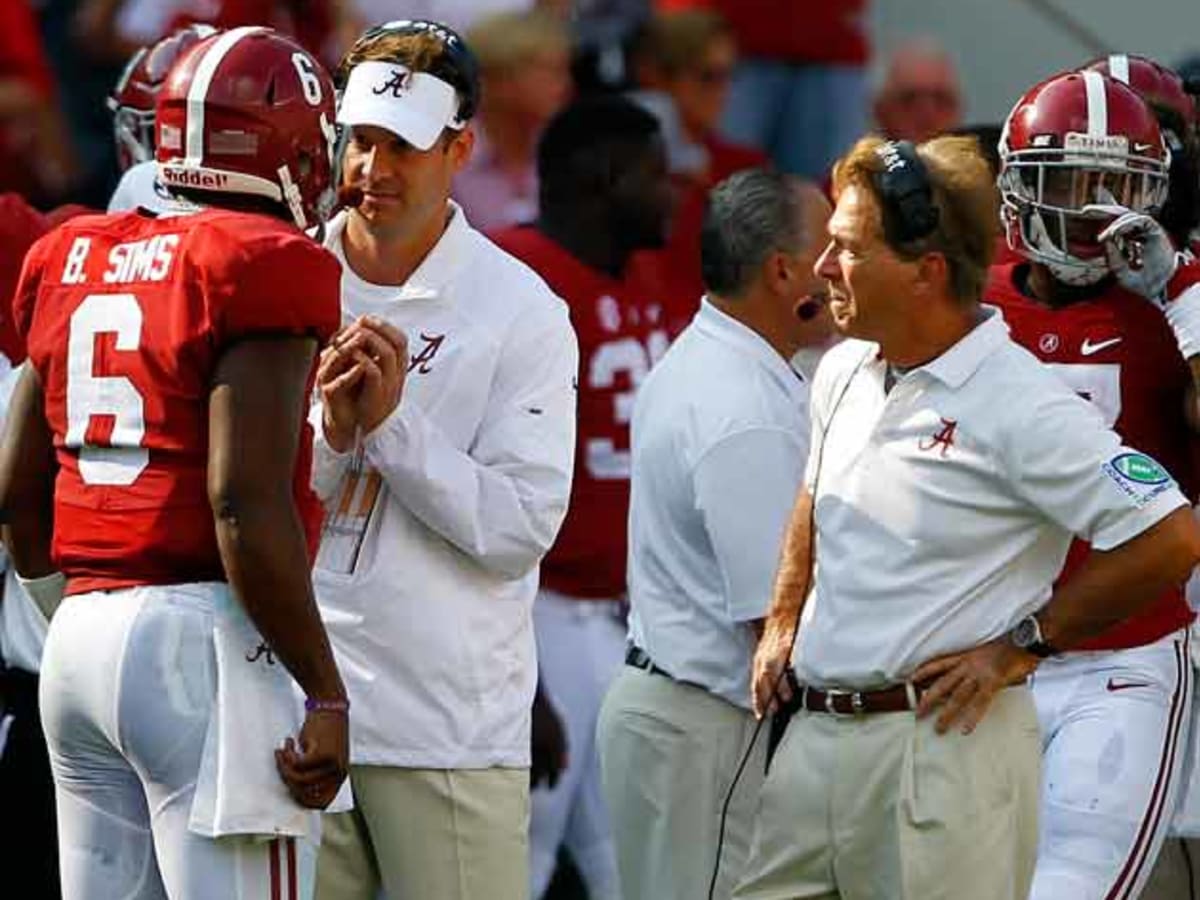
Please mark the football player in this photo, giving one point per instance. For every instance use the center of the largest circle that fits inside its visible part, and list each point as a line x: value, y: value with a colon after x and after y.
x: 1085, y: 173
x: 132, y: 106
x: 156, y: 470
x: 604, y: 194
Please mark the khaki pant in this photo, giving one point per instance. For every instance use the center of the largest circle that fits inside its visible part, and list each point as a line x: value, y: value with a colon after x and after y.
x: 429, y: 834
x: 1176, y: 875
x: 668, y: 754
x: 880, y: 807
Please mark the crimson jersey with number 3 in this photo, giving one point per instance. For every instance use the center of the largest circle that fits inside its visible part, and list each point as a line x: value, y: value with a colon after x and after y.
x: 125, y: 319
x: 622, y: 331
x: 1118, y: 352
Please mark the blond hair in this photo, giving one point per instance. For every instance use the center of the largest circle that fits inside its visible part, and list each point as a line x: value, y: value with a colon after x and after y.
x: 673, y: 42
x: 505, y: 41
x: 964, y: 193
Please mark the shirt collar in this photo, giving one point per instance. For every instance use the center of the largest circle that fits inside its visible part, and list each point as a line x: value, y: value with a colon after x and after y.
x: 725, y: 328
x: 959, y: 363
x: 440, y: 264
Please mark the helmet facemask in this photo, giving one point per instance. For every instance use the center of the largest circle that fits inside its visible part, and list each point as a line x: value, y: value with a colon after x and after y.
x: 1055, y: 201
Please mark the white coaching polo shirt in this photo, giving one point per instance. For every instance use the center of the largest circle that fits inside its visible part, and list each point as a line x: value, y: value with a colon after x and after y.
x: 944, y: 509
x: 720, y: 433
x: 429, y: 555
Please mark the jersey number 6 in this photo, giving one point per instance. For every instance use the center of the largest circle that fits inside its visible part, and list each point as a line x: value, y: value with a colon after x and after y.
x: 88, y: 394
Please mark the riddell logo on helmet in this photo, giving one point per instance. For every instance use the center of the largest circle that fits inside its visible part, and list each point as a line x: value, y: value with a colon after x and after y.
x: 186, y: 178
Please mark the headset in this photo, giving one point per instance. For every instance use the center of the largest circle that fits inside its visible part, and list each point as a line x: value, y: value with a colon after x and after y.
x: 780, y: 720
x: 908, y: 210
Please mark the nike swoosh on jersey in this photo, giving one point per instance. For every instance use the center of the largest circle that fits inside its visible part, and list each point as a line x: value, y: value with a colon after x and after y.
x: 1087, y: 348
x: 1114, y: 685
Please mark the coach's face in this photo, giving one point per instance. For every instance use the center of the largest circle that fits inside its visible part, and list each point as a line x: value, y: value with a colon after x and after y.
x: 403, y: 188
x: 868, y: 283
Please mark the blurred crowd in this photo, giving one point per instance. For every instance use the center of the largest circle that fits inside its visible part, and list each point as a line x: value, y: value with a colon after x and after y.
x: 731, y: 80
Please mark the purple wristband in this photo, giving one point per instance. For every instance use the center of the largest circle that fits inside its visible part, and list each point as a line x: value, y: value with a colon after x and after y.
x: 337, y: 706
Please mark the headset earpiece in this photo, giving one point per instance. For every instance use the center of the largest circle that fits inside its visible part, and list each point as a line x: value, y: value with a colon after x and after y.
x: 908, y: 210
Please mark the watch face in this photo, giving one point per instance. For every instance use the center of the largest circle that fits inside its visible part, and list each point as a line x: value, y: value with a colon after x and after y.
x: 1025, y: 633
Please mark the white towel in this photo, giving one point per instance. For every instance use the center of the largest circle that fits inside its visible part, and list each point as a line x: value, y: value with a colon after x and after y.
x: 239, y: 790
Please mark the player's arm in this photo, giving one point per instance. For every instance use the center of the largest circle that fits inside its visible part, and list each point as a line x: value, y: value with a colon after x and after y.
x: 255, y: 416
x: 27, y: 471
x: 256, y: 409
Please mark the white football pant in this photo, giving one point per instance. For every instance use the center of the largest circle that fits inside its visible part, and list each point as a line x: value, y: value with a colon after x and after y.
x: 1114, y: 735
x: 581, y: 648
x: 128, y: 684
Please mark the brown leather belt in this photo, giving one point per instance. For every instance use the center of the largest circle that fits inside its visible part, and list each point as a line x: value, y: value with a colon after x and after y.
x: 898, y: 698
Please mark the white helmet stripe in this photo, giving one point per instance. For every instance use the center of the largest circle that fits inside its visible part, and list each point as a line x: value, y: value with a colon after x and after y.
x: 1118, y: 67
x: 198, y: 92
x: 1097, y: 104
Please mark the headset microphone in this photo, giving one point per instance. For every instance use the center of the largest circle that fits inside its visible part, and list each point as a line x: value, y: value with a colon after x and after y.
x: 810, y: 307
x: 349, y: 196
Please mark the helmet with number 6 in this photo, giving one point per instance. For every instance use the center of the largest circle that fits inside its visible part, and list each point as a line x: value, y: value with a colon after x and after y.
x: 249, y: 112
x: 1074, y: 148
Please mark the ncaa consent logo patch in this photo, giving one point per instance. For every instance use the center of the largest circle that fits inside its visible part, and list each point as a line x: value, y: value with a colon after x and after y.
x: 1138, y: 476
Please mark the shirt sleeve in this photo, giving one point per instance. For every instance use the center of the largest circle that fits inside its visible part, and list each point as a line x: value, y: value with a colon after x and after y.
x: 279, y: 283
x: 745, y: 488
x: 1067, y: 464
x: 328, y: 464
x: 503, y: 499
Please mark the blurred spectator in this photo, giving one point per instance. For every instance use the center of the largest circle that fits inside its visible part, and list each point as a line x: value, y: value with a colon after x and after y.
x: 603, y: 32
x: 799, y: 92
x: 524, y: 60
x: 683, y: 61
x: 115, y: 29
x: 35, y: 151
x: 917, y: 95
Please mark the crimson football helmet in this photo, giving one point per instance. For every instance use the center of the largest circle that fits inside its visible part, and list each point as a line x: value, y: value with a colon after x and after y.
x: 132, y: 100
x: 1075, y: 148
x: 1162, y: 88
x: 248, y: 111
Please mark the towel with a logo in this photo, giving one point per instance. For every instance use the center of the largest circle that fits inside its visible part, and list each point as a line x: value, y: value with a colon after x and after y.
x: 239, y: 790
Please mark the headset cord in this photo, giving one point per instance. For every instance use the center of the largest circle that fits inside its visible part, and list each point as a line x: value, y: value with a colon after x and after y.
x: 712, y: 884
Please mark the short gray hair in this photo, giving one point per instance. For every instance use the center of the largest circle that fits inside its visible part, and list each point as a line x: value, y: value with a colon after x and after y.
x: 750, y: 215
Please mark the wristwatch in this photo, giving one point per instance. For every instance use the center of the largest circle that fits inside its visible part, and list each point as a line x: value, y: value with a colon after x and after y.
x: 1027, y: 635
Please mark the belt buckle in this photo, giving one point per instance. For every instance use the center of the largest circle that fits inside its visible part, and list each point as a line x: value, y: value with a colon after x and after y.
x: 857, y: 706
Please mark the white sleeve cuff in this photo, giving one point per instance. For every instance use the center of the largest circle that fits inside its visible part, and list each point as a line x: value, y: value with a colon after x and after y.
x: 1183, y: 314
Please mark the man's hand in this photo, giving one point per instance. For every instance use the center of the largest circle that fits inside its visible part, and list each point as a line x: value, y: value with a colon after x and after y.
x: 315, y: 769
x: 382, y: 351
x: 549, y: 743
x: 963, y: 684
x: 339, y: 378
x: 770, y: 687
x: 1140, y: 252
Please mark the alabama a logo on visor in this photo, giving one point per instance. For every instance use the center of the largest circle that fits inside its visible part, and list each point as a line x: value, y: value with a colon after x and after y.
x: 1138, y: 476
x: 399, y: 82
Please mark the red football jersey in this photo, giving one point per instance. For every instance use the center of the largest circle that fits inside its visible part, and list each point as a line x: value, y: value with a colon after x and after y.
x: 622, y: 332
x: 1118, y: 352
x: 125, y: 318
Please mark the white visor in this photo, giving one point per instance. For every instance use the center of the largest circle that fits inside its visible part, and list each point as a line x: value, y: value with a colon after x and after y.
x: 414, y: 105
